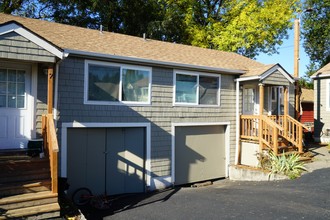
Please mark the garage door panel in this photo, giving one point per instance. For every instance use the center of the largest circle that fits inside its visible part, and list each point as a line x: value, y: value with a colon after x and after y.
x: 77, y: 154
x: 116, y: 165
x: 134, y: 154
x: 199, y: 153
x: 95, y: 167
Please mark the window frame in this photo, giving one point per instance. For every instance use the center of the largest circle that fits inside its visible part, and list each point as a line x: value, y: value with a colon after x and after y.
x: 120, y: 95
x: 327, y: 95
x: 198, y: 74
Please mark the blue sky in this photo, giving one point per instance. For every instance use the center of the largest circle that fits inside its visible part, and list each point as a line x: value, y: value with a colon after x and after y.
x: 285, y: 56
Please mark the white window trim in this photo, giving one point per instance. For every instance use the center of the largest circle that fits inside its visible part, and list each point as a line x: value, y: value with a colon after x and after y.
x: 327, y: 95
x: 121, y: 66
x: 198, y: 74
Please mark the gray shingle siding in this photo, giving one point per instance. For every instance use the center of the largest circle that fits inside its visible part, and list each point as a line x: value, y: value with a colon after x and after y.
x: 161, y: 114
x: 14, y: 46
x: 321, y: 114
x: 276, y: 78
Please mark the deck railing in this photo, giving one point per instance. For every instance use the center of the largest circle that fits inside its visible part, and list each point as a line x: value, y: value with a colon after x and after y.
x: 51, y: 148
x: 292, y: 130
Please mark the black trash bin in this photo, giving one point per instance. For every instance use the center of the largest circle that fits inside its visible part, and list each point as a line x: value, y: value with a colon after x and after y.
x: 35, y: 147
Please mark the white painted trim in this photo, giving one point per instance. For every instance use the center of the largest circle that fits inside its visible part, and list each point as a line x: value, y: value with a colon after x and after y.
x: 327, y: 95
x: 13, y: 27
x: 198, y: 74
x: 121, y: 66
x: 237, y: 124
x: 247, y: 78
x: 66, y: 125
x: 184, y: 124
x: 155, y: 62
x: 321, y: 76
x: 34, y: 93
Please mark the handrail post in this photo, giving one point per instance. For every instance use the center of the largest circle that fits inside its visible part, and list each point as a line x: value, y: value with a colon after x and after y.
x: 300, y: 139
x: 275, y: 140
x: 260, y: 133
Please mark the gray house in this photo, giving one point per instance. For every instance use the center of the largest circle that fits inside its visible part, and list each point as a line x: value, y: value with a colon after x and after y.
x: 322, y: 104
x: 134, y: 114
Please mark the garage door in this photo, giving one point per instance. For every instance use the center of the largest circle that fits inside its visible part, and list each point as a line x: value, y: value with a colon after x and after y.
x: 107, y: 160
x: 199, y: 153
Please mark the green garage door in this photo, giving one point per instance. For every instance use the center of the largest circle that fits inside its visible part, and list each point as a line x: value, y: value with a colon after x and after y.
x: 199, y: 153
x: 107, y: 160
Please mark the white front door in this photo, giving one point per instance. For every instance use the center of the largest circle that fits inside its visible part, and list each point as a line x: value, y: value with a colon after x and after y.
x: 15, y: 106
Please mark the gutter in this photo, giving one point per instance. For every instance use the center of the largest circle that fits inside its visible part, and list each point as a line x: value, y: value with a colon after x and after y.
x: 321, y: 76
x: 237, y: 151
x: 152, y: 62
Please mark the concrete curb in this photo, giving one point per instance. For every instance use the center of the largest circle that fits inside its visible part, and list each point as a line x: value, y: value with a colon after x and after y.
x: 242, y: 173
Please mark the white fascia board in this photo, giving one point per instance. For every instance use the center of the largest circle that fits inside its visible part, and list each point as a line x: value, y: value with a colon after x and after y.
x: 321, y: 76
x: 280, y: 69
x: 155, y: 62
x: 13, y: 27
x: 247, y: 78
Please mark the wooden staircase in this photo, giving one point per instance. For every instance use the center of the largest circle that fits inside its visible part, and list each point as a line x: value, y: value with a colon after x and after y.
x: 25, y: 187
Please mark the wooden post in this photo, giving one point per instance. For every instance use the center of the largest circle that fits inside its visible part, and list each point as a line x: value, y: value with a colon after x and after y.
x: 286, y: 111
x: 296, y: 64
x: 50, y: 90
x: 261, y: 110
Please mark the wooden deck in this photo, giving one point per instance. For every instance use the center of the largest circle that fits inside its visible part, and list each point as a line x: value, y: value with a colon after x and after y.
x: 25, y: 187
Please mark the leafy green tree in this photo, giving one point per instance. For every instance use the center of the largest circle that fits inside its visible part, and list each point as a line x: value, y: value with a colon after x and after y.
x: 316, y: 31
x: 244, y: 26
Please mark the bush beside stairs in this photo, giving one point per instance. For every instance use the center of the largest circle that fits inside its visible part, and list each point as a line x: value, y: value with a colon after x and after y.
x: 25, y: 187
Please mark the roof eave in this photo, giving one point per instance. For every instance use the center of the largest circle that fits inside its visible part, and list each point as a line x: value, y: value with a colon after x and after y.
x: 321, y: 76
x: 153, y: 62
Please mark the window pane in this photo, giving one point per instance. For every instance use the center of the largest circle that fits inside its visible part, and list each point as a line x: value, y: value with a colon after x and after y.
x: 11, y: 101
x: 3, y: 88
x: 20, y: 101
x: 208, y: 90
x: 20, y: 88
x: 186, y: 89
x: 12, y: 88
x: 3, y: 75
x: 20, y: 76
x: 2, y: 101
x: 103, y: 83
x: 135, y: 85
x: 12, y: 75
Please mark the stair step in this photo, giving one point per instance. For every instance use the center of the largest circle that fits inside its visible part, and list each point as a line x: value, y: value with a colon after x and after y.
x: 27, y: 197
x: 37, y: 212
x: 24, y: 187
x: 24, y: 176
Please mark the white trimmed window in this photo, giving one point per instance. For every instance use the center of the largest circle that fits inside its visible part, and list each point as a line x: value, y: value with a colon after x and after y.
x: 110, y: 83
x: 191, y: 88
x: 327, y: 96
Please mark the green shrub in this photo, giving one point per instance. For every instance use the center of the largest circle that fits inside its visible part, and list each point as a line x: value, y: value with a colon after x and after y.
x: 288, y: 165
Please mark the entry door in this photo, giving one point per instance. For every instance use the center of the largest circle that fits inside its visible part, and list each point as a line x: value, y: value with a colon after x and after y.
x: 15, y: 110
x: 250, y: 104
x: 276, y: 104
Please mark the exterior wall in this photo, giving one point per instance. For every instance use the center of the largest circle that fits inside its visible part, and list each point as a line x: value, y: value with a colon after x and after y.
x: 161, y: 114
x: 321, y: 114
x: 14, y: 46
x: 276, y: 78
x: 41, y: 101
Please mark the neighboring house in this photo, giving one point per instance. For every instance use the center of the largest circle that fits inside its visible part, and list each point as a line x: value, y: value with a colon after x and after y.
x: 135, y: 114
x: 307, y: 107
x: 322, y: 104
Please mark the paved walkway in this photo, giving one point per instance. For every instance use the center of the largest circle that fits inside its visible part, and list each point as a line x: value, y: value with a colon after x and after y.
x: 321, y: 157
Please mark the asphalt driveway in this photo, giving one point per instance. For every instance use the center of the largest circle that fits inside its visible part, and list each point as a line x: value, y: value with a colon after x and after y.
x: 305, y: 198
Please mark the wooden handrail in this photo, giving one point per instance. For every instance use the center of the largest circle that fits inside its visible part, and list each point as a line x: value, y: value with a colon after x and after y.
x: 51, y: 148
x: 271, y: 122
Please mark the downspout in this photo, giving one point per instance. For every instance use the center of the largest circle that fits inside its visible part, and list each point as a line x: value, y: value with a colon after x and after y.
x: 237, y: 152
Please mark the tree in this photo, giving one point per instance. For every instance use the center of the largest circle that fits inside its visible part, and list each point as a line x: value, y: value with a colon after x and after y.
x: 247, y: 27
x: 316, y: 31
